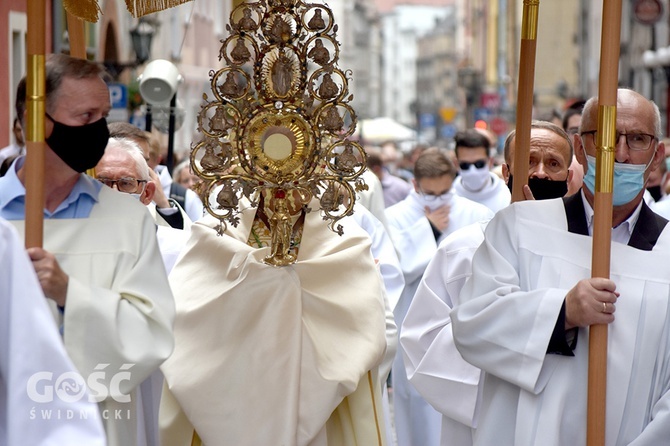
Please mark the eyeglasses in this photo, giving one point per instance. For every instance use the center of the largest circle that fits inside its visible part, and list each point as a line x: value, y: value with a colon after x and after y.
x: 127, y: 185
x: 433, y: 197
x: 466, y: 165
x: 635, y: 141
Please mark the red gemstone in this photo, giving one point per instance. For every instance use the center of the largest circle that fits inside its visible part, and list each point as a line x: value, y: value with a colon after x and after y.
x: 280, y: 194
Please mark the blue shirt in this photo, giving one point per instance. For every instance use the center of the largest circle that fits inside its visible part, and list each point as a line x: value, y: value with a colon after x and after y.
x: 78, y: 204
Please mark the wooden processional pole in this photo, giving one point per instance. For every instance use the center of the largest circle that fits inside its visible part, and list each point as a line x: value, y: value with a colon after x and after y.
x: 602, y: 226
x: 76, y: 35
x: 35, y: 109
x: 524, y: 108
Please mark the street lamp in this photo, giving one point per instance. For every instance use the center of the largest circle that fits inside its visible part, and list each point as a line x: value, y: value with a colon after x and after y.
x: 655, y: 60
x: 141, y: 37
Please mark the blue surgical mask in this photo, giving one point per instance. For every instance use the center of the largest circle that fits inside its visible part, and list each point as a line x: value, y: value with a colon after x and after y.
x: 628, y: 180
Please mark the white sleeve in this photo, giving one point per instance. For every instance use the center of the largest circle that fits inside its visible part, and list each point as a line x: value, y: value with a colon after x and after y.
x: 124, y: 323
x: 415, y: 244
x: 433, y: 364
x: 500, y: 326
x: 193, y: 204
x: 43, y: 399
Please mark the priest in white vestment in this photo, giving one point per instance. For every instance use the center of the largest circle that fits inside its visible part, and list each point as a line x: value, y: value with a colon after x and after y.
x: 270, y: 355
x: 433, y: 364
x: 33, y: 360
x: 99, y: 265
x: 526, y: 310
x: 417, y: 225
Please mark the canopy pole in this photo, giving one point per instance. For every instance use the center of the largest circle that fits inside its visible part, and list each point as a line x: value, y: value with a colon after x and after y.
x: 77, y: 36
x: 602, y: 227
x: 524, y: 114
x: 35, y: 110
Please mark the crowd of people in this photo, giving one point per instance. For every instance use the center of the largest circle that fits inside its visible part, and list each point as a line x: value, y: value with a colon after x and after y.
x: 444, y: 315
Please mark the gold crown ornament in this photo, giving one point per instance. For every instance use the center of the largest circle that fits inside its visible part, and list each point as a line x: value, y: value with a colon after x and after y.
x: 277, y: 128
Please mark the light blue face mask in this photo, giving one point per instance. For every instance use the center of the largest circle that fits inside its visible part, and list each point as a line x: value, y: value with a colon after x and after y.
x: 628, y: 180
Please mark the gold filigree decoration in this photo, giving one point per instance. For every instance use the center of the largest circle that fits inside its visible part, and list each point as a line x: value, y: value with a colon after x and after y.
x: 278, y: 121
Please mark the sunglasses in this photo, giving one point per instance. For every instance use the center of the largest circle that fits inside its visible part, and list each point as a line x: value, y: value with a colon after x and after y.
x: 478, y: 164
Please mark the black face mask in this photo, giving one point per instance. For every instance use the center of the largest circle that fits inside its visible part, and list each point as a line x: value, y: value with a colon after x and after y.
x: 80, y: 147
x: 543, y: 188
x: 655, y: 192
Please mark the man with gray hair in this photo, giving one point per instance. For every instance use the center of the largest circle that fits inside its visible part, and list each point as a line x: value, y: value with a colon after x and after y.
x: 433, y: 365
x: 525, y: 312
x: 166, y: 207
x: 123, y: 168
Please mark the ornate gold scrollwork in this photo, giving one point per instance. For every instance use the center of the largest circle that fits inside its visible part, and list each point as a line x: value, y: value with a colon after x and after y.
x: 278, y: 122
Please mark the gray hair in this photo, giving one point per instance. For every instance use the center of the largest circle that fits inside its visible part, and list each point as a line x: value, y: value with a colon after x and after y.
x: 130, y: 147
x: 186, y: 164
x: 537, y: 125
x: 592, y: 103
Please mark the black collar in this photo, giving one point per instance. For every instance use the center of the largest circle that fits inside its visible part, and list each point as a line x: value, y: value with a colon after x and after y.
x: 645, y: 234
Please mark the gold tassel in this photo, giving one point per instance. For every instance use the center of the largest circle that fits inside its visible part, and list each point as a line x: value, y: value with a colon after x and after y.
x: 139, y: 8
x: 88, y: 10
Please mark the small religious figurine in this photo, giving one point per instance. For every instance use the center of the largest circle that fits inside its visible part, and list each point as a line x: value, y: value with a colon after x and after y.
x: 319, y: 53
x: 281, y: 228
x: 246, y: 23
x: 317, y: 22
x: 346, y: 161
x: 230, y: 87
x: 210, y: 160
x: 281, y: 31
x: 240, y: 53
x: 329, y: 198
x: 281, y: 74
x: 333, y: 122
x: 328, y: 88
x: 227, y: 198
x: 218, y: 122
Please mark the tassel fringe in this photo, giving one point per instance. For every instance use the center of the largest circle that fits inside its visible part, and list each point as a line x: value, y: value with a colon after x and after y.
x: 88, y: 10
x: 139, y: 8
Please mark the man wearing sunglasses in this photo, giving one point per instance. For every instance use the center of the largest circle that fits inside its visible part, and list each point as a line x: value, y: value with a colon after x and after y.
x: 475, y: 180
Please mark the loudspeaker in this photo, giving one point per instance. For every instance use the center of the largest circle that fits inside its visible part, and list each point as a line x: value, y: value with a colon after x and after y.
x: 159, y: 81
